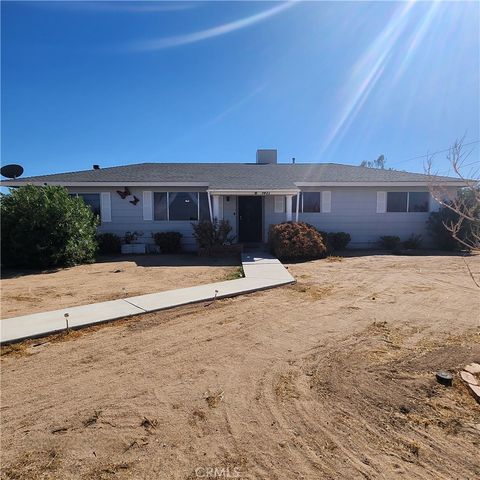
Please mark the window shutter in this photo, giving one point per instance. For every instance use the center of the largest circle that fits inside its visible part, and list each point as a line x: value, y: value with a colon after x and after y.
x: 105, y: 207
x: 147, y: 205
x: 279, y: 203
x: 326, y: 203
x: 220, y: 207
x: 381, y: 202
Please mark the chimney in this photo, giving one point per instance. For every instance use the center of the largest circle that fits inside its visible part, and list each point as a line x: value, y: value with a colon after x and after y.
x: 96, y: 167
x: 293, y: 160
x: 266, y: 156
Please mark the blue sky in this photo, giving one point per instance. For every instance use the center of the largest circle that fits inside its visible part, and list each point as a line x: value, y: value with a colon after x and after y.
x: 114, y: 83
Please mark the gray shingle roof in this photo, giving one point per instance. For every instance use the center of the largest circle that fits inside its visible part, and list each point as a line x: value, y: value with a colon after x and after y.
x: 233, y: 175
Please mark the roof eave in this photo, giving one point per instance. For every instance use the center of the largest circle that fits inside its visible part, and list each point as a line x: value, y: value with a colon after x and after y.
x: 287, y: 191
x: 20, y: 183
x: 410, y: 183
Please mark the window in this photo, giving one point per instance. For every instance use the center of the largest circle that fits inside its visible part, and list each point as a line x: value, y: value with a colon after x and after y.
x: 418, y: 201
x: 180, y: 206
x: 397, y: 201
x: 183, y: 206
x: 90, y: 199
x: 160, y: 206
x: 408, y: 201
x: 311, y: 202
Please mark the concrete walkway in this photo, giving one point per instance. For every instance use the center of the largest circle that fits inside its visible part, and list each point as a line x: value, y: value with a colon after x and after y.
x: 262, y: 271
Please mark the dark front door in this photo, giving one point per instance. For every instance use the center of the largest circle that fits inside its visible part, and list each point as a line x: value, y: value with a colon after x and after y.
x: 250, y: 219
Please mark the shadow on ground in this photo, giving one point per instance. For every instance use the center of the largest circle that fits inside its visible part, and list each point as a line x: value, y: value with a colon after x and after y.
x: 159, y: 260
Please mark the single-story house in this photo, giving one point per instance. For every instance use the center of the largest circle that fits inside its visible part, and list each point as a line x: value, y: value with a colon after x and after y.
x: 154, y: 197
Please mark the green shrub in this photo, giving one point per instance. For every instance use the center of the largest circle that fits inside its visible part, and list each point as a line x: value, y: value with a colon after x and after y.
x: 338, y: 240
x: 413, y: 242
x: 169, y: 242
x: 390, y: 242
x: 46, y: 227
x: 441, y: 237
x: 109, y: 243
x: 208, y: 234
x: 296, y: 241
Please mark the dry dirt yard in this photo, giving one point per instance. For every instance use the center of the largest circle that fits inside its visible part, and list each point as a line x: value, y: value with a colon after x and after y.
x: 330, y: 378
x: 25, y: 292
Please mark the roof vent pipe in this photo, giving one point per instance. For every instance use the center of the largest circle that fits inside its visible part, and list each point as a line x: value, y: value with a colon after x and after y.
x: 96, y: 167
x: 267, y: 156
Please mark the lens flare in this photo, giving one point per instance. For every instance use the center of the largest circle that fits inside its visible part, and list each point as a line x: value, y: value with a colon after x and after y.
x: 416, y: 39
x: 365, y: 74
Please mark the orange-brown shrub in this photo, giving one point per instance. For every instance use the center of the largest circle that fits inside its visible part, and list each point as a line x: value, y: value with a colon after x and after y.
x: 296, y: 241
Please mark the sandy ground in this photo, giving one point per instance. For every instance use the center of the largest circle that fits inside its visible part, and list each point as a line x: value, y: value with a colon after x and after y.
x: 25, y: 292
x: 330, y: 378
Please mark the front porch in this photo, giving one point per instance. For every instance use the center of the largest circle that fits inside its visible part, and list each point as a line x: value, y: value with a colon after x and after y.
x: 251, y: 212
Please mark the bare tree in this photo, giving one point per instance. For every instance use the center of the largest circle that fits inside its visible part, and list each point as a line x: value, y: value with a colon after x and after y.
x: 464, y: 202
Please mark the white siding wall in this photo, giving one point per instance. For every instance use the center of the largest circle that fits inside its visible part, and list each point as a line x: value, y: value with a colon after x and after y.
x: 129, y: 218
x: 269, y: 215
x: 354, y: 210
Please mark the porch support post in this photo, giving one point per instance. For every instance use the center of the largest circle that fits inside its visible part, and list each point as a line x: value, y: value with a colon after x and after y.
x: 288, y: 209
x: 210, y: 206
x: 298, y: 204
x: 216, y: 207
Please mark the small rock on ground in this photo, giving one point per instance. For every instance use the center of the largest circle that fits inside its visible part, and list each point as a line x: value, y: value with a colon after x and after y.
x: 473, y: 368
x: 468, y: 378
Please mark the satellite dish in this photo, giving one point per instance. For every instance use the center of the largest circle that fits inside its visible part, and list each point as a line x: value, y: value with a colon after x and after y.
x: 11, y: 171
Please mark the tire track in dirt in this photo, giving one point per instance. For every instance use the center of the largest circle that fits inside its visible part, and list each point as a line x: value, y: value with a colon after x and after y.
x: 362, y: 424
